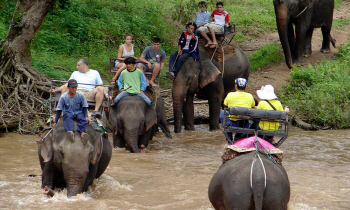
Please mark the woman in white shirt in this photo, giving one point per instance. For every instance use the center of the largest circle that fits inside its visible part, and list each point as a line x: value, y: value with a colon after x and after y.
x: 125, y: 50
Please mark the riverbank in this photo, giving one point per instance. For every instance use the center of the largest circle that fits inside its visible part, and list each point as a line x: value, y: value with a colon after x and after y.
x: 276, y: 74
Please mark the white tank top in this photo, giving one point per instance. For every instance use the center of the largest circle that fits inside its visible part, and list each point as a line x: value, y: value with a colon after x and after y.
x: 128, y: 54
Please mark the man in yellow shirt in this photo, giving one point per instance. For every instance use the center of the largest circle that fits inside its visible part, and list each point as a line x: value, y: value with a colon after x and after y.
x: 239, y: 98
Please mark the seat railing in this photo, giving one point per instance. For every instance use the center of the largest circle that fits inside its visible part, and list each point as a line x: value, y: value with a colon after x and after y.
x: 274, y: 123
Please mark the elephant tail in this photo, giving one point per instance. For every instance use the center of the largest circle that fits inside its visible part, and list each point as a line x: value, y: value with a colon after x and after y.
x: 167, y: 133
x: 258, y: 181
x: 333, y: 41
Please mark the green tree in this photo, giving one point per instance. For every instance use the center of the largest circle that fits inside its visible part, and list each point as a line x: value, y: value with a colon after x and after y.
x: 22, y: 86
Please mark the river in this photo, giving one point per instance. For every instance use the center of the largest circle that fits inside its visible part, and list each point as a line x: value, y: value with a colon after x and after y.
x: 175, y: 173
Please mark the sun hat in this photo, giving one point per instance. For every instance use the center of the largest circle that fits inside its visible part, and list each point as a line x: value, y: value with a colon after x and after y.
x: 72, y: 83
x: 241, y: 82
x: 266, y: 92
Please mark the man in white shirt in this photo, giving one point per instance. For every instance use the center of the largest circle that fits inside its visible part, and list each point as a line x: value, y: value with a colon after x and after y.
x: 88, y: 76
x: 221, y: 18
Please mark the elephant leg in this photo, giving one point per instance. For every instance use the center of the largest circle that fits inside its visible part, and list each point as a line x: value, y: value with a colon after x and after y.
x: 308, y: 45
x: 118, y: 140
x: 188, y: 112
x: 215, y: 93
x: 326, y: 33
x: 48, y: 175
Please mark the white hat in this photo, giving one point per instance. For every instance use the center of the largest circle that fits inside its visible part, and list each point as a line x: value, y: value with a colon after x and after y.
x: 267, y: 92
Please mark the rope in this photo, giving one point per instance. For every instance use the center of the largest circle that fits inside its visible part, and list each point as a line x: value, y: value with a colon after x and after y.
x: 264, y: 151
x: 48, y: 101
x: 251, y: 170
x: 223, y: 62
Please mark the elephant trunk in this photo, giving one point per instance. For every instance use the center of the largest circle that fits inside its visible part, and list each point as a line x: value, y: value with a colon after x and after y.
x: 131, y: 137
x: 178, y: 100
x: 282, y: 25
x: 75, y: 181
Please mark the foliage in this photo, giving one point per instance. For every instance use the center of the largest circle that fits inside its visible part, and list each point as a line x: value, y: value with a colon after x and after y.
x: 321, y: 94
x: 340, y: 23
x: 263, y: 56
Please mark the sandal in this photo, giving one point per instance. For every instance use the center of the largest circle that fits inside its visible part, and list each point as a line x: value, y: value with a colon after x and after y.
x: 213, y: 45
x: 207, y: 45
x: 170, y: 75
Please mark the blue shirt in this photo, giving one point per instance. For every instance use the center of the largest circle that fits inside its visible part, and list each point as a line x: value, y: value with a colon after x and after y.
x: 72, y: 105
x: 90, y: 77
x: 202, y: 17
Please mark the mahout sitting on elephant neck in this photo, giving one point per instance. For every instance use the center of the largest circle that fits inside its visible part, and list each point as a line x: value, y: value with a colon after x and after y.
x: 72, y: 162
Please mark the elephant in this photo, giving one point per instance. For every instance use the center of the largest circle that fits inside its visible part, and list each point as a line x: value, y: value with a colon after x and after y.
x: 135, y: 123
x: 305, y: 15
x: 206, y: 79
x: 70, y: 162
x: 250, y: 181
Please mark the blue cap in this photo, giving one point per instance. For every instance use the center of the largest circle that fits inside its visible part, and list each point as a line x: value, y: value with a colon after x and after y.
x: 241, y: 82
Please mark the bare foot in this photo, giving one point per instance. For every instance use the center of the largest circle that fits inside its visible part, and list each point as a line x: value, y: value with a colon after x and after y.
x: 153, y: 84
x: 142, y: 149
x: 48, y: 191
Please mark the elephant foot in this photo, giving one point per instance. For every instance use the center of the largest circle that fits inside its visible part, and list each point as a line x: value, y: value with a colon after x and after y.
x: 325, y: 50
x: 48, y: 191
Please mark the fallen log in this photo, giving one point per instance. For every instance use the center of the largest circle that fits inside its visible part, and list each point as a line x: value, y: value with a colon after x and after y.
x: 303, y: 125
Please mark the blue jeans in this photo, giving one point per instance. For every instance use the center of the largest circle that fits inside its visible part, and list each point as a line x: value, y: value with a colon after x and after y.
x: 68, y: 122
x: 123, y: 94
x: 180, y: 60
x: 238, y: 123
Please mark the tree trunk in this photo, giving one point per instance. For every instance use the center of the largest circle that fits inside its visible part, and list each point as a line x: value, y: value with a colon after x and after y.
x: 23, y: 87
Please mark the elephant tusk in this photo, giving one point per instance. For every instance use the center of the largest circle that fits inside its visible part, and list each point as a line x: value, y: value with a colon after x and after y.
x: 301, y: 12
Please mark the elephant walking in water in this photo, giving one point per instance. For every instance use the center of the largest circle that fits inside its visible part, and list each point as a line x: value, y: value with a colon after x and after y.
x: 305, y: 15
x: 135, y: 123
x: 250, y: 182
x: 72, y: 163
x: 207, y: 79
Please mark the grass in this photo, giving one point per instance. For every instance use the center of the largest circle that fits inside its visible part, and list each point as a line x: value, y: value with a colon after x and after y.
x: 264, y: 56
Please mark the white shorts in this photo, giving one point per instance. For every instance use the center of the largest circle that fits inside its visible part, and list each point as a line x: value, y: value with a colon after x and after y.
x: 215, y: 27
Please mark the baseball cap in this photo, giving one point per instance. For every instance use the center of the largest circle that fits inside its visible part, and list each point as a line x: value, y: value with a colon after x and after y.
x: 72, y: 83
x: 241, y: 82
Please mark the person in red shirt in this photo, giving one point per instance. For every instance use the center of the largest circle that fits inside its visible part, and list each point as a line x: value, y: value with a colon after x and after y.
x: 220, y: 18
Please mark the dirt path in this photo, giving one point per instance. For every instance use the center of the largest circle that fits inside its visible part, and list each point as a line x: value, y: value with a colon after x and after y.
x: 277, y: 74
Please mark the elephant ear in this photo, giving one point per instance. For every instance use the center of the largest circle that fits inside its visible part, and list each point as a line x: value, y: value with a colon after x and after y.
x: 150, y: 117
x: 46, y: 149
x: 209, y: 72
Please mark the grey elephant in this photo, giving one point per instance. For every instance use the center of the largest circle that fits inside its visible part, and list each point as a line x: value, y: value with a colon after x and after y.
x: 305, y: 15
x: 135, y: 123
x: 72, y: 163
x: 206, y: 79
x: 248, y: 182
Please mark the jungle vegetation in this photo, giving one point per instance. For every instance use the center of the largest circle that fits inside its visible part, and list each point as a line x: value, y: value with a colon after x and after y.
x: 94, y: 29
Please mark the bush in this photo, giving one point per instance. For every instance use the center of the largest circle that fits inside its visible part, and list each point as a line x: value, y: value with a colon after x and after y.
x: 321, y: 94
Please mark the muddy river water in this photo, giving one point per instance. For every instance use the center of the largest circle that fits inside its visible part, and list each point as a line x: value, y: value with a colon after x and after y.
x: 175, y: 173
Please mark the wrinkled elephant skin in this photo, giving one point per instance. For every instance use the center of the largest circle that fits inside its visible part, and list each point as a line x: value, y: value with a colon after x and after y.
x: 72, y: 163
x: 305, y: 15
x: 134, y: 123
x: 238, y: 185
x: 206, y: 79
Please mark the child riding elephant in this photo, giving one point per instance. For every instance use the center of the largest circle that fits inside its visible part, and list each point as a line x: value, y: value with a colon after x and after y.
x: 188, y: 46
